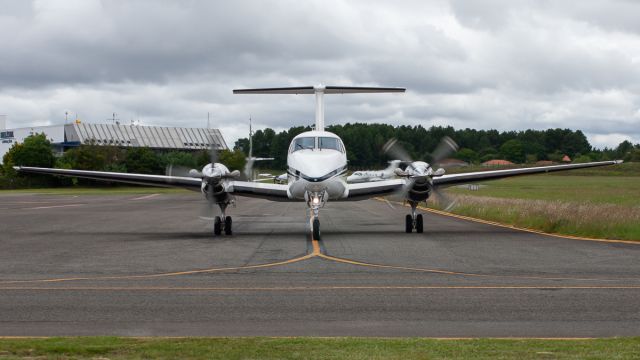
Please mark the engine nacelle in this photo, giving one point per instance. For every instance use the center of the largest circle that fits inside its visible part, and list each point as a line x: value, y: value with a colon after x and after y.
x: 421, y: 189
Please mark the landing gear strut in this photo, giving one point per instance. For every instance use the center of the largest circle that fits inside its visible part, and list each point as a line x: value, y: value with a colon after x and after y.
x: 222, y: 222
x: 316, y: 200
x: 413, y: 220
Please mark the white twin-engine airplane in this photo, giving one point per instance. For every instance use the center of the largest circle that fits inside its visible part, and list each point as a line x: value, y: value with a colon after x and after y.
x: 317, y: 165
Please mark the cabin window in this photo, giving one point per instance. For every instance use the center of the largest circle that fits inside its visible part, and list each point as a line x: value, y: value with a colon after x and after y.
x: 329, y: 143
x: 304, y: 143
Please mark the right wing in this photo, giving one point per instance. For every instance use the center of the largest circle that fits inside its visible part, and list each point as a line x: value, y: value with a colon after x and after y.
x: 138, y: 179
x: 366, y: 190
x: 273, y: 192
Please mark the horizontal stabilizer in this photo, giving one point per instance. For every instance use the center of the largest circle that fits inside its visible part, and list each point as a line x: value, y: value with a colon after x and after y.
x: 326, y: 89
x: 320, y: 91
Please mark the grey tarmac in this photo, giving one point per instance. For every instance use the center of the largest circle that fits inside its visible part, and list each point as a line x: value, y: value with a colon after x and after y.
x: 140, y: 265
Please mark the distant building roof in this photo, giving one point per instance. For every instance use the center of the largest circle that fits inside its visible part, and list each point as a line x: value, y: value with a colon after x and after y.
x: 156, y: 137
x: 497, y: 162
x: 566, y: 158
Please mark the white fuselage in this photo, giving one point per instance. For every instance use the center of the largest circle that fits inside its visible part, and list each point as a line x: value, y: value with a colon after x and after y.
x: 317, y: 162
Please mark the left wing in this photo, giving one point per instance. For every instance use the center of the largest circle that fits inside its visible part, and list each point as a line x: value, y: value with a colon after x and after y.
x: 464, y: 178
x: 138, y: 179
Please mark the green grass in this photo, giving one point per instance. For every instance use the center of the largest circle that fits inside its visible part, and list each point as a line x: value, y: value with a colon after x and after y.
x: 592, y: 189
x: 590, y: 206
x: 624, y: 169
x: 317, y: 348
x: 115, y: 190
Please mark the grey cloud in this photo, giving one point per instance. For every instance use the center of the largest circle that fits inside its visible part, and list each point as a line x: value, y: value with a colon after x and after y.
x: 497, y: 64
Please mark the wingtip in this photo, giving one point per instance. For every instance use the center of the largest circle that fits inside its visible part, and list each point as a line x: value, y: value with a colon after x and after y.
x: 17, y: 168
x: 619, y: 161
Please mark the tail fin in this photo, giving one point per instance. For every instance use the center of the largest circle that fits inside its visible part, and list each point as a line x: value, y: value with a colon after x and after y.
x: 319, y: 91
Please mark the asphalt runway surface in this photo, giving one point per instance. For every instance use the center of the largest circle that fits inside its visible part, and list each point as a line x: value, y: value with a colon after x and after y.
x: 143, y: 265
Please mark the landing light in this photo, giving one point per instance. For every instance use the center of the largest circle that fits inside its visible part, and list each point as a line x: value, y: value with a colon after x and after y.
x: 315, y: 200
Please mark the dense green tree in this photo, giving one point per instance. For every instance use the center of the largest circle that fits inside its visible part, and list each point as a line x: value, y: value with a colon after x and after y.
x: 178, y: 158
x: 143, y: 161
x: 234, y: 160
x: 466, y: 154
x: 512, y: 151
x: 34, y: 151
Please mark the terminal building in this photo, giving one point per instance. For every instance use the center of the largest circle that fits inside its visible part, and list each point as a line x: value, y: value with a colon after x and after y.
x: 160, y: 138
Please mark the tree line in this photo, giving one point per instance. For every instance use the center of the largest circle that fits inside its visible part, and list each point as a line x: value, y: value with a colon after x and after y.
x: 36, y: 151
x: 364, y: 144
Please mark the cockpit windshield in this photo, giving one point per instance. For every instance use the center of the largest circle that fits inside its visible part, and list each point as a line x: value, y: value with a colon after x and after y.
x: 328, y: 143
x: 304, y: 143
x: 319, y: 143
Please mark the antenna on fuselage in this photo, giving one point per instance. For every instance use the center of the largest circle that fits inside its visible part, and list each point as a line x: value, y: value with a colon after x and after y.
x: 320, y: 91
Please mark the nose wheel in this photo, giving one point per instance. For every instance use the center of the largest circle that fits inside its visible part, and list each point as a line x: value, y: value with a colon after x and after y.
x: 413, y: 221
x: 316, y: 229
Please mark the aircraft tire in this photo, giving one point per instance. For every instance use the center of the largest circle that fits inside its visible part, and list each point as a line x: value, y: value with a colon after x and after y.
x: 419, y: 224
x: 217, y: 225
x: 227, y: 225
x: 316, y: 229
x: 408, y: 224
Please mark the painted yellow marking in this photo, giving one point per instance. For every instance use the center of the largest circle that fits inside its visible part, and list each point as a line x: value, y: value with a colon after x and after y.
x: 150, y: 276
x: 145, y: 197
x: 52, y: 206
x: 329, y: 287
x: 316, y: 247
x: 457, y: 273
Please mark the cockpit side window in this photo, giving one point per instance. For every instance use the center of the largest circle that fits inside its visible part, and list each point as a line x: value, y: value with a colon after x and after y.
x: 303, y: 143
x: 329, y: 143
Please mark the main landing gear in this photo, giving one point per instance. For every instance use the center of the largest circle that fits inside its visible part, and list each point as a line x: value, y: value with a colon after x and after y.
x: 413, y: 220
x: 223, y: 222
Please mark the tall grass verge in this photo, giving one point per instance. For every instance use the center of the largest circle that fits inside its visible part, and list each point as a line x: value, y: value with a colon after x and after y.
x: 606, y: 221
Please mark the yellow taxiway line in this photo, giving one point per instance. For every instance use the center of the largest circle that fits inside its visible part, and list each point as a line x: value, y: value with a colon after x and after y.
x: 457, y: 273
x: 167, y: 274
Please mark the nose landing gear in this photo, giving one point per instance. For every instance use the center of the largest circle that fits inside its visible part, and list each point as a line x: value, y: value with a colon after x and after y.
x: 316, y: 200
x: 414, y: 220
x: 223, y: 222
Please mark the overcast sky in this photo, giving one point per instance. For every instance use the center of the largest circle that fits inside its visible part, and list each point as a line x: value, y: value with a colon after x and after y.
x: 507, y: 65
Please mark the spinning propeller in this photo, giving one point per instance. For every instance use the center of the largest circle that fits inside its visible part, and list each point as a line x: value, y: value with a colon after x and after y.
x: 419, y: 174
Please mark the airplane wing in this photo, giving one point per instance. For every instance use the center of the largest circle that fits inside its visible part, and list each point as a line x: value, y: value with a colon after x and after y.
x: 464, y: 178
x: 365, y: 190
x: 138, y: 179
x: 273, y: 192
